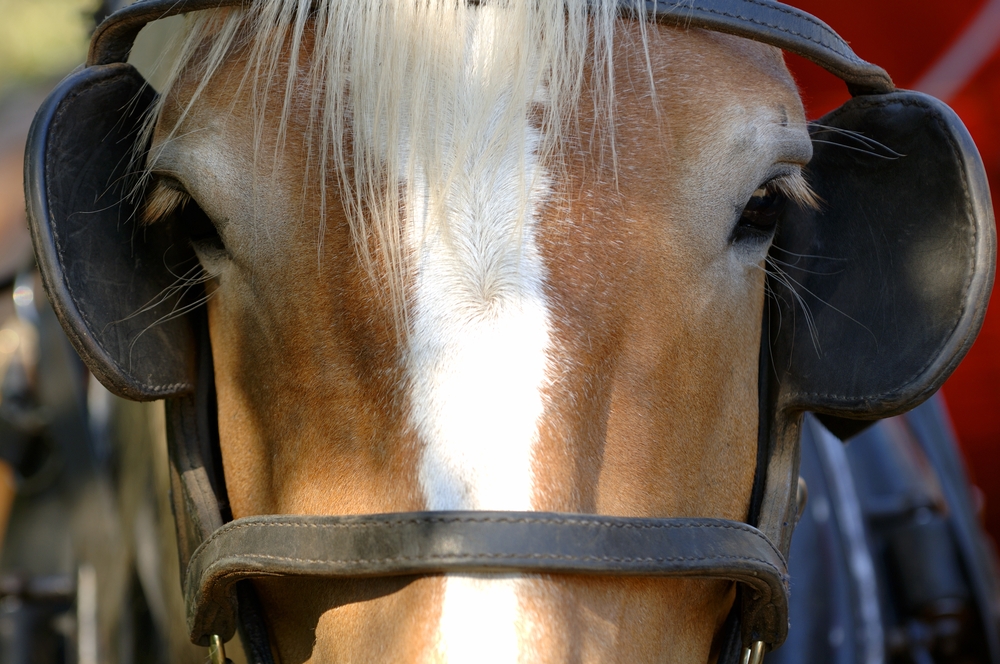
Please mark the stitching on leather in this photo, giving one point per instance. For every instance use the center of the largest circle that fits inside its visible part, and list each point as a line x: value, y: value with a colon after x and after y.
x: 56, y: 126
x: 524, y: 520
x: 496, y: 556
x: 808, y: 18
x: 238, y: 574
x: 206, y: 596
x: 203, y: 602
x: 956, y: 152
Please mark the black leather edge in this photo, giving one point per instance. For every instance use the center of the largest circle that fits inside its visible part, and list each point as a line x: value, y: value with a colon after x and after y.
x: 761, y: 20
x: 764, y: 416
x: 776, y: 476
x: 778, y: 508
x: 842, y: 427
x: 62, y: 160
x: 730, y: 639
x: 475, y: 542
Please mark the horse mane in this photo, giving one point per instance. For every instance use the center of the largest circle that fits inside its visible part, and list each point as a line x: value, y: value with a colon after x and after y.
x: 398, y: 95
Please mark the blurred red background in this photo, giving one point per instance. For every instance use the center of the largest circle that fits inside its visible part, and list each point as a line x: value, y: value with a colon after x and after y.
x: 951, y: 50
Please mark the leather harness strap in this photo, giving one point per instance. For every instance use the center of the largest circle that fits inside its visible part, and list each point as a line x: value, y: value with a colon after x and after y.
x: 475, y: 542
x: 773, y: 23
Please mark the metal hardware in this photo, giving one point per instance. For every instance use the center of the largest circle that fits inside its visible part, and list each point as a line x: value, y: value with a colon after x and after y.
x: 754, y: 654
x: 217, y: 651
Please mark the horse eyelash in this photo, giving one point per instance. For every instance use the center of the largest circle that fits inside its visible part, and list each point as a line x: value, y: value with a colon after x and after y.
x: 795, y: 187
x: 162, y: 201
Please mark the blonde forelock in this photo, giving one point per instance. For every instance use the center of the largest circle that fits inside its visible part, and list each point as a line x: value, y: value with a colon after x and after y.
x: 387, y: 103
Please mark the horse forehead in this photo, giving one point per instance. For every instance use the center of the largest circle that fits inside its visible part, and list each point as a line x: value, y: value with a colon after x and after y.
x: 703, y: 78
x: 692, y: 70
x: 719, y: 95
x: 702, y: 61
x: 723, y: 109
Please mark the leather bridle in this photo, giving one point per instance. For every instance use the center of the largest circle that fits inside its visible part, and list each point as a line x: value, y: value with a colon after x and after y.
x: 219, y: 555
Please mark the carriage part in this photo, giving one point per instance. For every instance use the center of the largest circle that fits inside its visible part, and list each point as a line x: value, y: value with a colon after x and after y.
x: 929, y: 425
x: 928, y: 574
x: 920, y: 187
x: 935, y: 586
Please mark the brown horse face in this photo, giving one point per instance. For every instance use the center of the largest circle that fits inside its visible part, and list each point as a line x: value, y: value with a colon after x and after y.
x: 582, y: 335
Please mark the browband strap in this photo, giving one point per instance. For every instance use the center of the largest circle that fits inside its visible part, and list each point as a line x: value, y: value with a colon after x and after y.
x: 382, y: 545
x: 773, y: 23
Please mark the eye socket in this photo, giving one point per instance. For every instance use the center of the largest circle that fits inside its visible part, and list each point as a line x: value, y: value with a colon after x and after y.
x: 200, y: 228
x: 761, y: 214
x: 169, y: 201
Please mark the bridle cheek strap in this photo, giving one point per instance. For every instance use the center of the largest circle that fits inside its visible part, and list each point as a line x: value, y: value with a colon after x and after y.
x: 343, y: 547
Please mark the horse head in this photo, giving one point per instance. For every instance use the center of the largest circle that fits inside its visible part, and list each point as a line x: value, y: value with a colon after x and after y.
x: 516, y: 258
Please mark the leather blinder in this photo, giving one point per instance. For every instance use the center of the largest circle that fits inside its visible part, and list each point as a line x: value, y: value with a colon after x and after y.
x: 892, y: 273
x: 116, y: 285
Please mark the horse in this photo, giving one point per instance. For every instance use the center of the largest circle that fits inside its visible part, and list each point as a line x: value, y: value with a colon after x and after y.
x: 499, y: 258
x: 530, y: 377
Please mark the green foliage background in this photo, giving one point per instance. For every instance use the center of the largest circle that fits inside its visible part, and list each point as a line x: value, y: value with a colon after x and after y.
x: 42, y: 39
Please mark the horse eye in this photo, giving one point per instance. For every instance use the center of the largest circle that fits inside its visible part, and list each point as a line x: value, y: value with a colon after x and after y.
x: 168, y: 199
x: 761, y: 214
x: 199, y: 227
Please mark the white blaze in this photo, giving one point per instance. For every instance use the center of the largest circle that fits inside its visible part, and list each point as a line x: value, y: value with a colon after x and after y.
x: 477, y: 356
